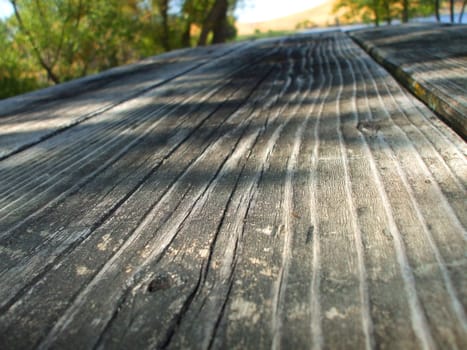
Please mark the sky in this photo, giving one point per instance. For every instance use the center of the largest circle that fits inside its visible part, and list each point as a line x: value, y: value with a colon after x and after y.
x: 5, y: 8
x: 248, y: 11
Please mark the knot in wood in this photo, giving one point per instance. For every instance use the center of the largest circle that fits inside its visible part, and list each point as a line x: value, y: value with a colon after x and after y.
x: 160, y: 282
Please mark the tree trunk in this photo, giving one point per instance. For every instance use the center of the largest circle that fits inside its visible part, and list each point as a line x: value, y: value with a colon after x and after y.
x: 220, y: 26
x: 376, y: 12
x: 405, y: 11
x: 438, y: 17
x: 376, y: 20
x: 163, y: 9
x: 451, y: 8
x: 217, y: 13
x: 186, y: 35
x: 50, y: 74
x: 188, y: 15
x: 387, y: 12
x: 462, y: 11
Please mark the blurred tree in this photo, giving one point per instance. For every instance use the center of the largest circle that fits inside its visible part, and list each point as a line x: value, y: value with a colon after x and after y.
x: 451, y: 10
x: 422, y: 8
x: 16, y: 74
x: 217, y: 21
x: 462, y: 10
x: 361, y: 10
x: 189, y: 17
x: 377, y: 10
x: 163, y: 6
x: 386, y: 9
x: 71, y: 38
x: 160, y: 10
x: 29, y: 28
x: 405, y: 11
x: 48, y: 42
x: 437, y: 5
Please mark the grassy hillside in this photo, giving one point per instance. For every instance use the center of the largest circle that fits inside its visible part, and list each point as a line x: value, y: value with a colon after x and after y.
x: 320, y: 15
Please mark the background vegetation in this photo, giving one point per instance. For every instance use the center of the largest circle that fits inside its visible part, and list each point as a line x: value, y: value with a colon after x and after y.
x: 48, y: 42
x: 379, y: 11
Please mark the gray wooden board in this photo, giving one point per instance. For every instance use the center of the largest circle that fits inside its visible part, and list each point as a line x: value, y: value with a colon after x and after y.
x: 430, y: 60
x: 32, y: 118
x: 287, y: 194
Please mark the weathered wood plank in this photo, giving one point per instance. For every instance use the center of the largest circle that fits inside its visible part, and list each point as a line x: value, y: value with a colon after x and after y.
x: 220, y: 181
x: 399, y: 147
x: 132, y: 120
x: 435, y: 73
x: 28, y: 119
x: 287, y: 195
x: 389, y: 312
x: 202, y: 133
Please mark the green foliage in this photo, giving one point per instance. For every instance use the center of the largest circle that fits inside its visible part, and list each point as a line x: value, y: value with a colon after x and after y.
x: 58, y: 40
x: 377, y: 11
x: 16, y: 74
x: 71, y: 38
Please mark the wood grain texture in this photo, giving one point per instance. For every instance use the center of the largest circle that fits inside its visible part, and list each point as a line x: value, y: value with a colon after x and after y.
x: 287, y: 194
x: 429, y: 60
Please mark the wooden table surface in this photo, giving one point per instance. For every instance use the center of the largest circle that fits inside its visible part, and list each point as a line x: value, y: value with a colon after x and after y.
x: 284, y: 193
x: 430, y: 60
